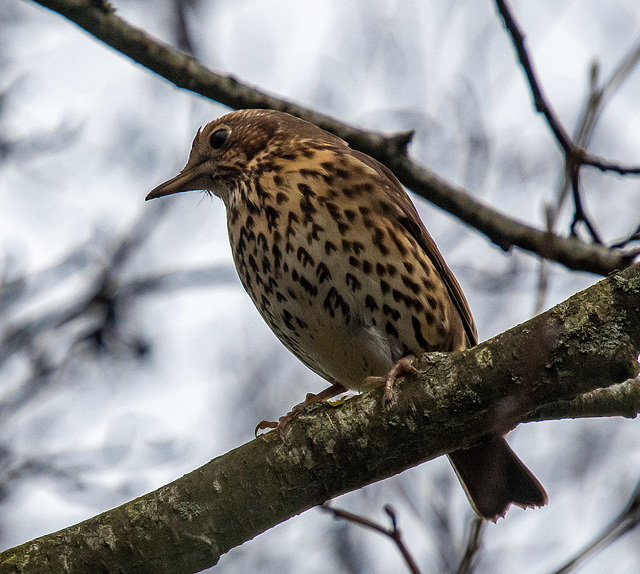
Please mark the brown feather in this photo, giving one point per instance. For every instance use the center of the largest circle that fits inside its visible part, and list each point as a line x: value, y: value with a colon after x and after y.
x: 408, y: 217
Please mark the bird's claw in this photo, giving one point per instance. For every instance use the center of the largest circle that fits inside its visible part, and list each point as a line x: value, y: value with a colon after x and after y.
x: 403, y: 367
x: 283, y: 421
x: 263, y: 425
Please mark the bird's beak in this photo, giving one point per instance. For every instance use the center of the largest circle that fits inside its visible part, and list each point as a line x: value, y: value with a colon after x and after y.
x: 189, y: 179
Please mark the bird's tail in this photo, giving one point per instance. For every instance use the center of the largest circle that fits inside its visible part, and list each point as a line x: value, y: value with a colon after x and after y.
x: 494, y: 478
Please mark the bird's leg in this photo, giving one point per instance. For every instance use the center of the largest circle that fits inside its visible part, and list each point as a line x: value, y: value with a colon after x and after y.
x: 310, y: 399
x: 402, y: 367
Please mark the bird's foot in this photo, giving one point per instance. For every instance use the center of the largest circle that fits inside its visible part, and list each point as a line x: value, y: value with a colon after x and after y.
x: 310, y: 399
x: 284, y: 420
x: 403, y: 367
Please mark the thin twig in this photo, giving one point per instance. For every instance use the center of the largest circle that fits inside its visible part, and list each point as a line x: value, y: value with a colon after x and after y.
x: 473, y: 546
x: 185, y: 42
x: 634, y: 236
x: 622, y: 524
x: 393, y: 532
x: 580, y: 215
x: 540, y: 101
x: 574, y: 156
x: 598, y: 96
x: 586, y: 125
x: 577, y: 154
x: 550, y: 217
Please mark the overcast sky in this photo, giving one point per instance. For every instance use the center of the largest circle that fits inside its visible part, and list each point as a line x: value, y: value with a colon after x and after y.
x: 188, y: 370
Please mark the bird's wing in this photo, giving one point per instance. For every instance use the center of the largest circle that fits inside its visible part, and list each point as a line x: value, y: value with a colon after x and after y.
x: 408, y: 217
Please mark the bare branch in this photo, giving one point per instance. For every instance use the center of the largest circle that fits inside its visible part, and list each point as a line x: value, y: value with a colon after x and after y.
x: 473, y: 546
x: 580, y: 215
x: 597, y: 98
x: 539, y: 100
x: 634, y: 236
x: 573, y: 152
x: 393, y: 533
x: 186, y: 72
x: 575, y: 155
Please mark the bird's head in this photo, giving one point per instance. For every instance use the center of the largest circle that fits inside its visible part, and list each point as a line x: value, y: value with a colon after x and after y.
x: 226, y: 149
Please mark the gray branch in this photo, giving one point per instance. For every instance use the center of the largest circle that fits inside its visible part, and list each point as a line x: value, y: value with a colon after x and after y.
x: 185, y: 71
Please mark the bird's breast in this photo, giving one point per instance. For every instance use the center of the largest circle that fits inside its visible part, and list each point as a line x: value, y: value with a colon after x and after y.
x: 336, y: 284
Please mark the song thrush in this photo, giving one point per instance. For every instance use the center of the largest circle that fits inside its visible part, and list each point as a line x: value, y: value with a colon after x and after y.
x: 335, y: 257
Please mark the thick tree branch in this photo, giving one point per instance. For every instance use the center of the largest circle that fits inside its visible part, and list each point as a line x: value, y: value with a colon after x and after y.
x: 622, y: 400
x: 186, y: 72
x: 589, y: 342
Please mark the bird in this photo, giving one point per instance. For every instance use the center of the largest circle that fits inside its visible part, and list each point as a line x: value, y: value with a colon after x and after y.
x: 332, y: 252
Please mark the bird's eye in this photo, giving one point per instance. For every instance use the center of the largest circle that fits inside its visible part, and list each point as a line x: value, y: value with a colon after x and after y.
x: 218, y: 138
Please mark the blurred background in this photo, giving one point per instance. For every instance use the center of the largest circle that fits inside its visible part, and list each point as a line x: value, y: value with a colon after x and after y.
x: 129, y: 353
